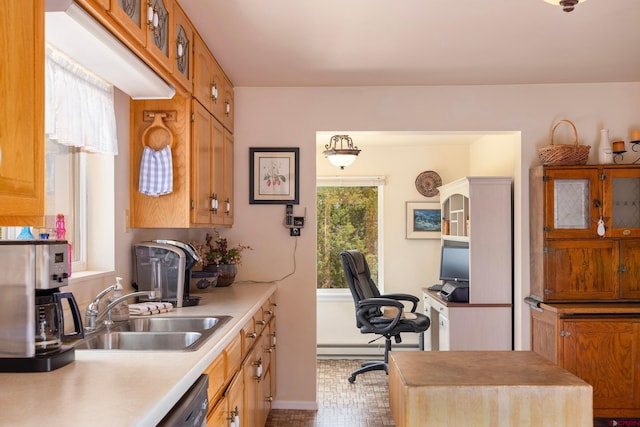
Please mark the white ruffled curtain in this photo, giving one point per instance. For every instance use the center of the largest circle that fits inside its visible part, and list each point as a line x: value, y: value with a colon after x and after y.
x: 79, y: 108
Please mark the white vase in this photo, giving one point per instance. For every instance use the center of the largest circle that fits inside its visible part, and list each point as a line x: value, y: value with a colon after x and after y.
x: 605, y: 152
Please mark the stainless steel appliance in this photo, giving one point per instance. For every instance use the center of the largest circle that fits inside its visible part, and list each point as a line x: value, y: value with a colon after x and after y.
x: 191, y: 410
x: 165, y: 266
x: 31, y: 306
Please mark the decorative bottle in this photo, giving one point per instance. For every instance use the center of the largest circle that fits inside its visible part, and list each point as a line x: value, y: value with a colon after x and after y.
x: 26, y: 234
x: 605, y: 152
x: 61, y: 231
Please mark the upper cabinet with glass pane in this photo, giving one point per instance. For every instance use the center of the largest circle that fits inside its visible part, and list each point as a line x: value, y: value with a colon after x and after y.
x: 585, y: 229
x: 149, y: 23
x: 589, y: 201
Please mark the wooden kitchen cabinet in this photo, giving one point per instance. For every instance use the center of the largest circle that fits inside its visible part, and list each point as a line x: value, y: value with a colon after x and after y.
x: 228, y: 116
x: 243, y: 391
x: 202, y: 164
x: 22, y: 199
x: 570, y: 259
x: 228, y: 410
x: 599, y: 343
x: 154, y: 35
x: 132, y: 17
x: 172, y: 210
x: 212, y: 159
x: 182, y: 49
x: 242, y: 378
x: 211, y: 87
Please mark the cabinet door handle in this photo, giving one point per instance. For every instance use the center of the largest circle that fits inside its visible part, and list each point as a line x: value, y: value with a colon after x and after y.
x: 214, y: 91
x: 565, y: 333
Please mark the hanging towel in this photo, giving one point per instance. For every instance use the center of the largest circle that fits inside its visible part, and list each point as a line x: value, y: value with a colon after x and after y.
x: 156, y: 172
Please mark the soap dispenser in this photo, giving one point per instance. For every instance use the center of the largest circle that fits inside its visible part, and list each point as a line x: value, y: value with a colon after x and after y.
x: 121, y: 311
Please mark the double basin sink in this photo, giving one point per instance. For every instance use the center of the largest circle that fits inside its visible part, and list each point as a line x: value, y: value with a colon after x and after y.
x: 154, y: 333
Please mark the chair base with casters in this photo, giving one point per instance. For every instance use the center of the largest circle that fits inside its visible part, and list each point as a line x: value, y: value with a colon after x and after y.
x: 372, y: 310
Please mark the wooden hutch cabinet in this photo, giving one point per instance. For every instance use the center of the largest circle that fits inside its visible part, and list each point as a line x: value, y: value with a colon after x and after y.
x: 585, y: 278
x: 585, y: 233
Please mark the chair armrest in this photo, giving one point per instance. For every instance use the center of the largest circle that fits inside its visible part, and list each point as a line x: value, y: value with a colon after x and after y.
x: 363, y: 315
x: 404, y: 297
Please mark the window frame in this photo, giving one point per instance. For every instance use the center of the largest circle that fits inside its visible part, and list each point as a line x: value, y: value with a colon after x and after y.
x: 343, y: 294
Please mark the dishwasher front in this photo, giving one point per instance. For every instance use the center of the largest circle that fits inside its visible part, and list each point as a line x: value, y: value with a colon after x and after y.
x: 191, y: 409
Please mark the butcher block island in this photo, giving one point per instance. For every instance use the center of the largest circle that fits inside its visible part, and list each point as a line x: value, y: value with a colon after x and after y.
x: 485, y: 388
x: 130, y: 388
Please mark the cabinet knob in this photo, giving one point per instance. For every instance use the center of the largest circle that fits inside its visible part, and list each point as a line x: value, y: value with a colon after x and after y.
x: 261, y: 322
x: 252, y: 335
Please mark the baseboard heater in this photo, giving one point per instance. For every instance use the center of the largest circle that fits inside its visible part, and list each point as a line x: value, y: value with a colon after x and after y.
x: 360, y: 350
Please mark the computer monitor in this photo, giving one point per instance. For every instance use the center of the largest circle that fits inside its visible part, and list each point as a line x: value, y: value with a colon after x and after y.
x: 454, y: 264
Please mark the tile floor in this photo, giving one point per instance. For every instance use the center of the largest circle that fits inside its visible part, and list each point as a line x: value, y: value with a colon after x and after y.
x: 364, y: 403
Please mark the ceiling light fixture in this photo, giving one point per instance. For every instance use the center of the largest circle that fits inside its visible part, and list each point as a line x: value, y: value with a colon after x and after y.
x: 567, y: 5
x: 343, y: 156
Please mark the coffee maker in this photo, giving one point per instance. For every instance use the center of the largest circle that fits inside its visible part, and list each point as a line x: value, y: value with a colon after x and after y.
x: 32, y: 323
x: 164, y: 266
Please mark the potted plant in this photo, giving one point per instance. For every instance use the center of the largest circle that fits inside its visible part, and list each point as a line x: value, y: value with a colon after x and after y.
x: 216, y: 255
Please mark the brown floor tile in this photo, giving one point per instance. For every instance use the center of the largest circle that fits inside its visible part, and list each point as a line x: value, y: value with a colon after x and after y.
x: 364, y: 403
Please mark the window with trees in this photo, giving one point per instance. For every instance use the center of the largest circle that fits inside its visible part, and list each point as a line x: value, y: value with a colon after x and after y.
x: 348, y: 214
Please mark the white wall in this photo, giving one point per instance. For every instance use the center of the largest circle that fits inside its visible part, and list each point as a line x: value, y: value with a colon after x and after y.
x: 290, y: 117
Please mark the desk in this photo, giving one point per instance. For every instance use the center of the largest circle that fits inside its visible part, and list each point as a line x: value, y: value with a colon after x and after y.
x: 485, y: 388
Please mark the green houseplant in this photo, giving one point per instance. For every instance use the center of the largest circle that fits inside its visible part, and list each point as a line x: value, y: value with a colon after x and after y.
x: 216, y: 255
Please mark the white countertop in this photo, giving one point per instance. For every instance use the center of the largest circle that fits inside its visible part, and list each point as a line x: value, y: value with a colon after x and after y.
x: 126, y: 388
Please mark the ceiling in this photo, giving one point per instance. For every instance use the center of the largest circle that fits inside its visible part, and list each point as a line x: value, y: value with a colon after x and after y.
x: 419, y: 42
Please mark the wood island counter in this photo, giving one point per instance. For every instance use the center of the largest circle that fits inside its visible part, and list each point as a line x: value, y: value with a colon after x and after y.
x: 485, y: 388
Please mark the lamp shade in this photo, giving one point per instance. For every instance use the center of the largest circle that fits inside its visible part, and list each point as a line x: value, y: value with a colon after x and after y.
x: 341, y: 156
x: 567, y: 5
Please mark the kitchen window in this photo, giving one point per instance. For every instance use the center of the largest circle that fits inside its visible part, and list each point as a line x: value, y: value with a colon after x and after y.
x: 80, y: 127
x: 349, y: 216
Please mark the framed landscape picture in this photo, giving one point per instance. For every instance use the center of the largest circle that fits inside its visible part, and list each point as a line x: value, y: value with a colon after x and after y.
x: 424, y: 220
x: 274, y: 175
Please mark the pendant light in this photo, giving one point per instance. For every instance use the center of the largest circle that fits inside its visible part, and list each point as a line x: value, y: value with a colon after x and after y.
x: 567, y: 5
x: 340, y: 151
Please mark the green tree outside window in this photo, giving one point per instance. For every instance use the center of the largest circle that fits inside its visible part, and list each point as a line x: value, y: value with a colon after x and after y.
x: 347, y: 219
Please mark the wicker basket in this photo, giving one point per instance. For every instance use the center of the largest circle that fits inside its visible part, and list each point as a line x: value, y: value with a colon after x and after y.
x: 564, y: 154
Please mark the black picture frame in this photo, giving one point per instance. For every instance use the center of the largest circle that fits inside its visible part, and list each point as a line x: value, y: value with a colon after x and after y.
x: 274, y: 176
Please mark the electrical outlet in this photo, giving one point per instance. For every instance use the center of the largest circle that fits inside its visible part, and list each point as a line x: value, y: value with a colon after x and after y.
x: 294, y: 231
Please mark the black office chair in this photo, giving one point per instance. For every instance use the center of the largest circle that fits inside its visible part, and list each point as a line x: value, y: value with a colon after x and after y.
x: 370, y: 309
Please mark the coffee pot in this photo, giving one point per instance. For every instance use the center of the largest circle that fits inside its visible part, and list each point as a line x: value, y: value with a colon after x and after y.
x: 33, y: 337
x: 49, y: 322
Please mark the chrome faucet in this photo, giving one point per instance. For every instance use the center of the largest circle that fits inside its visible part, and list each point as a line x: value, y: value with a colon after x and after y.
x: 94, y: 316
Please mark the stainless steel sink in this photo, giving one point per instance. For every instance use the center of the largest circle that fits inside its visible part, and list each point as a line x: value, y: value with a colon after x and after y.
x: 154, y: 333
x: 140, y: 341
x: 171, y: 324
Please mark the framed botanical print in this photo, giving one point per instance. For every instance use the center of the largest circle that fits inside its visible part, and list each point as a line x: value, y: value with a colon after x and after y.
x: 274, y: 175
